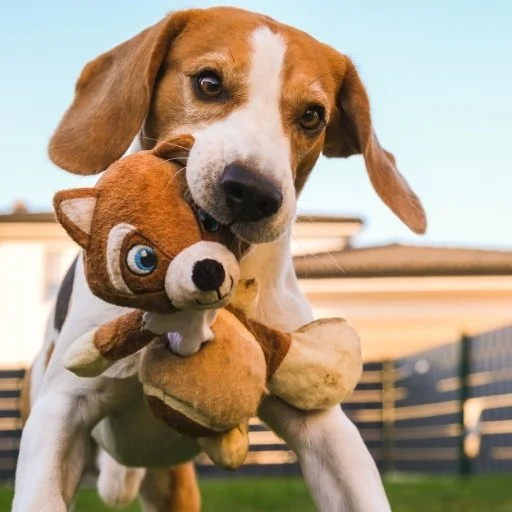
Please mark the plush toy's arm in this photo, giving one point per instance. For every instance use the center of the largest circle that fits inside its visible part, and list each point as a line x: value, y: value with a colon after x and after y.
x: 315, y: 367
x: 274, y: 344
x: 322, y: 366
x: 95, y: 351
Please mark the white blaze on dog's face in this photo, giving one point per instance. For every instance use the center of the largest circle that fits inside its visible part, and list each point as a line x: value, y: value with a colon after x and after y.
x: 252, y: 141
x: 262, y: 101
x: 257, y: 109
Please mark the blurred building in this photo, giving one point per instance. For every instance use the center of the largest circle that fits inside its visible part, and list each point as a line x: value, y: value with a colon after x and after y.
x: 401, y: 298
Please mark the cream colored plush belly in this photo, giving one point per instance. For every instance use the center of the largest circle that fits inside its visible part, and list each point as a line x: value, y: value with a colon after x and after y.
x: 134, y: 437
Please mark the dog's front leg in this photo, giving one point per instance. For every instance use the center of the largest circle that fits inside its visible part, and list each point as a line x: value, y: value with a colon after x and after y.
x: 53, y: 451
x: 336, y: 464
x: 337, y: 467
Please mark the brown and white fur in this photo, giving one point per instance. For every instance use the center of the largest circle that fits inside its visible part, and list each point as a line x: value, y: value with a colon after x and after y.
x: 284, y: 99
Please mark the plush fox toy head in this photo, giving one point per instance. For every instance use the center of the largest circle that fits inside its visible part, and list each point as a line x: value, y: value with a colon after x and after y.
x: 145, y: 245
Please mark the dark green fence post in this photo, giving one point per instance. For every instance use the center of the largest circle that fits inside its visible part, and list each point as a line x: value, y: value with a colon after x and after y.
x: 464, y: 389
x: 388, y: 415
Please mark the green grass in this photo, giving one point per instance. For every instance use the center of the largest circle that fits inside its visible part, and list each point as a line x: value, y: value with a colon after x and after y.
x: 482, y: 494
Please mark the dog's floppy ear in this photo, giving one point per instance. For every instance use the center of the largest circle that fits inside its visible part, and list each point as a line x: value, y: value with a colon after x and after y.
x: 350, y: 132
x: 74, y: 209
x: 112, y: 97
x: 176, y: 149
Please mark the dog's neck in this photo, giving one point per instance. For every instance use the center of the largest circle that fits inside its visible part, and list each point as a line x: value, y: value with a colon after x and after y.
x: 282, y: 304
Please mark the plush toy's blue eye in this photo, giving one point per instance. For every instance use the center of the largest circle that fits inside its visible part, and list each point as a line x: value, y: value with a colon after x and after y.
x: 208, y: 222
x: 141, y: 259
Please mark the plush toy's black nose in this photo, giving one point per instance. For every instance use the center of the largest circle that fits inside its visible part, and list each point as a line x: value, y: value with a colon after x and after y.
x: 249, y: 197
x: 208, y: 275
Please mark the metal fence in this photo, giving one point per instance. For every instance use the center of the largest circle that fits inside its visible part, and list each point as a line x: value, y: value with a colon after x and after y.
x: 453, y: 407
x: 10, y: 421
x: 446, y: 410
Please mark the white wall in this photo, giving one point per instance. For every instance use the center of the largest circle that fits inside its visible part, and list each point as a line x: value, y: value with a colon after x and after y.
x: 399, y: 316
x: 23, y: 307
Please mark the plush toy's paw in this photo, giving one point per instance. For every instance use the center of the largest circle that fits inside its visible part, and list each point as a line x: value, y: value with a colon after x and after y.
x: 84, y: 359
x: 322, y: 366
x: 229, y: 449
x: 247, y: 295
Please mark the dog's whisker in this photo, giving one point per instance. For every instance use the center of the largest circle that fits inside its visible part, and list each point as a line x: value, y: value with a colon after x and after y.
x: 326, y: 253
x: 303, y: 248
x: 174, y: 176
x: 177, y: 159
x: 166, y: 142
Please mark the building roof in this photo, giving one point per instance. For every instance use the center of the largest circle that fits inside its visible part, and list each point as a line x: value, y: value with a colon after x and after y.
x: 396, y: 260
x: 330, y: 219
x: 26, y: 217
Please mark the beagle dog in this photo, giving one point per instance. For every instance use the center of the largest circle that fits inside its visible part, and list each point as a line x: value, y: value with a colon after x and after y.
x: 263, y: 100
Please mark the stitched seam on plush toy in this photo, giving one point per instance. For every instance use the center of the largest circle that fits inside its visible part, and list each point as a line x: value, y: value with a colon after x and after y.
x: 184, y: 408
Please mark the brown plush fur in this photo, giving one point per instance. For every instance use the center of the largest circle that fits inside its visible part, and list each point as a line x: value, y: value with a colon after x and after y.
x: 218, y: 389
x: 128, y: 328
x: 153, y: 191
x: 225, y: 380
x: 275, y: 344
x: 179, y: 421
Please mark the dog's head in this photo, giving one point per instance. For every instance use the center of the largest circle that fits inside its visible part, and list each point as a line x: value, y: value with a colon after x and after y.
x: 262, y: 100
x: 144, y: 245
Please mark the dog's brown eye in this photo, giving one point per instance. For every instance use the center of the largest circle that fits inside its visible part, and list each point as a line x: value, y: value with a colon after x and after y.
x: 312, y: 118
x: 209, y: 84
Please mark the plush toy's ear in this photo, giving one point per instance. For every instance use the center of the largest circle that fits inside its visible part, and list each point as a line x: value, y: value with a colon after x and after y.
x: 75, y: 210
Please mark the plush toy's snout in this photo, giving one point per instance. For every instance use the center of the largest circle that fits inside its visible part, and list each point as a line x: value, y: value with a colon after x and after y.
x: 208, y: 275
x: 204, y: 275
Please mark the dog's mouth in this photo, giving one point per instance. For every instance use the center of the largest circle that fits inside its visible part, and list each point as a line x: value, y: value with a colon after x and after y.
x: 248, y: 232
x: 208, y: 221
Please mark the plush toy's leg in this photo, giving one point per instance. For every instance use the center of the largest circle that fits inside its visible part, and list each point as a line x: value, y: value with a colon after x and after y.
x: 171, y: 490
x: 228, y: 449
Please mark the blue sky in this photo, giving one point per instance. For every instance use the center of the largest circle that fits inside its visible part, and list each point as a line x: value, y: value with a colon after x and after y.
x: 439, y: 75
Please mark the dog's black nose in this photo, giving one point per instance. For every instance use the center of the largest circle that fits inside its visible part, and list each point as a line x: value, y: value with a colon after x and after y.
x: 208, y: 275
x: 249, y: 196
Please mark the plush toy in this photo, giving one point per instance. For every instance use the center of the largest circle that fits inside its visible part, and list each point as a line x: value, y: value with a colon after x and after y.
x: 206, y: 365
